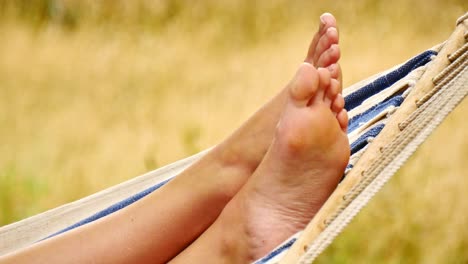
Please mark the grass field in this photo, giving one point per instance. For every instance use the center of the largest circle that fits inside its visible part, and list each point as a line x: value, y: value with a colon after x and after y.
x: 93, y: 93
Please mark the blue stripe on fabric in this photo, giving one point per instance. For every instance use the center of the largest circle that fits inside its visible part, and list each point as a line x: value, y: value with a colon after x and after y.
x: 361, y: 142
x: 276, y: 252
x: 356, y: 98
x: 112, y: 208
x: 372, y: 112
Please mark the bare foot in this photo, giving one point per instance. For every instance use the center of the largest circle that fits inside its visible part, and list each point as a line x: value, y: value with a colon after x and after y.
x: 245, y: 148
x: 303, y: 165
x: 209, y: 184
x: 301, y: 169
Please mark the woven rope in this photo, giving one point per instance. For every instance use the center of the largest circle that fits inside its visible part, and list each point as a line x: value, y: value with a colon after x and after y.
x: 458, y: 53
x: 458, y: 59
x: 430, y: 94
x: 427, y: 118
x: 462, y: 18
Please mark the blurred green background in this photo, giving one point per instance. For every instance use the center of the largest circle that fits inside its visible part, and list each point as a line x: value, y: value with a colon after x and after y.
x: 93, y: 93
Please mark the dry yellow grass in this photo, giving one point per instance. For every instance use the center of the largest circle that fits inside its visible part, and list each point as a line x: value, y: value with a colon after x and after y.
x: 90, y: 103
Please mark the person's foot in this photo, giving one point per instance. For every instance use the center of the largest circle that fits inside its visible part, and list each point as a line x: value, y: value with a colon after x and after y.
x: 303, y: 165
x: 211, y: 182
x: 245, y: 148
x: 226, y: 168
x: 222, y: 172
x: 300, y: 170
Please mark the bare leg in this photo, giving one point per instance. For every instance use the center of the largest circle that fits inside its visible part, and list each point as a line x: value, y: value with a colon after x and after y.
x: 159, y: 226
x: 300, y: 170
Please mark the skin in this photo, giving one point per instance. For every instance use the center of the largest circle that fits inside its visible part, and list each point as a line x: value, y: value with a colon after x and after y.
x: 302, y: 167
x: 154, y: 231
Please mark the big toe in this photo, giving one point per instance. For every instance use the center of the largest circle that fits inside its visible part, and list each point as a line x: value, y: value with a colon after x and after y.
x: 304, y: 84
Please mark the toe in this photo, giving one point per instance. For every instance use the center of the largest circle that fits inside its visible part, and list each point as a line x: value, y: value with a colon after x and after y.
x: 332, y: 92
x: 324, y: 83
x: 338, y: 103
x: 326, y: 40
x: 342, y: 118
x: 305, y: 84
x: 330, y: 56
x: 324, y: 77
x: 335, y: 73
x: 326, y: 21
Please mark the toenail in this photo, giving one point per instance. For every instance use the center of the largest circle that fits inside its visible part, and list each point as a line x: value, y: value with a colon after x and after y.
x: 326, y: 17
x: 323, y: 22
x: 322, y: 19
x: 306, y: 64
x: 322, y: 25
x: 323, y: 16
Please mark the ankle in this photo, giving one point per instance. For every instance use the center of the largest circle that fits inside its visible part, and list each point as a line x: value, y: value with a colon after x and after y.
x: 235, y: 243
x: 227, y: 173
x: 231, y: 157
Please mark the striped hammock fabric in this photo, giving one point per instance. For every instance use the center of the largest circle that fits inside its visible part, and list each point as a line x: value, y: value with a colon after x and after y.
x: 390, y: 115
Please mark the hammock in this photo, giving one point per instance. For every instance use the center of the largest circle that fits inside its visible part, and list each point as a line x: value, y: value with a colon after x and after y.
x: 390, y: 115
